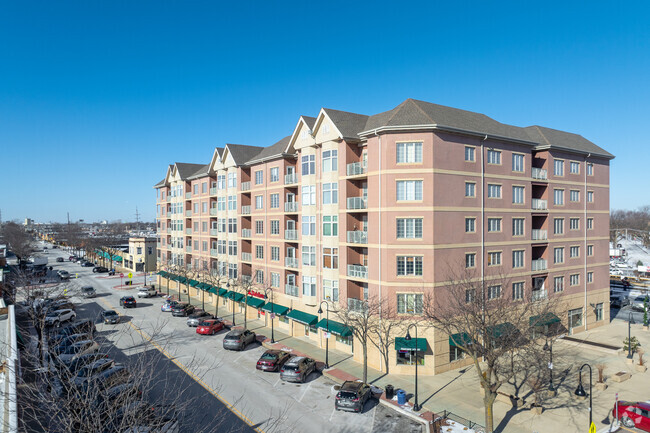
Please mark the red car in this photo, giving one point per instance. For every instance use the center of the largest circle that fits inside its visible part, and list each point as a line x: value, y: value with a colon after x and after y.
x: 633, y: 414
x: 272, y: 360
x: 209, y: 327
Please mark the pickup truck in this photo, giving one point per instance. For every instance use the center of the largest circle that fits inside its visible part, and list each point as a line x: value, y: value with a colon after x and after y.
x: 147, y: 292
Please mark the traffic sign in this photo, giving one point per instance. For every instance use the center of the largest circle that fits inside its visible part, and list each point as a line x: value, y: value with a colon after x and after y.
x: 130, y: 275
x: 592, y: 428
x: 121, y: 275
x: 329, y: 334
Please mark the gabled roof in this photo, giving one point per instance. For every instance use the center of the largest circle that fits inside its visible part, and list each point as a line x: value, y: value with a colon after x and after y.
x: 348, y: 124
x: 161, y: 183
x: 186, y: 170
x: 309, y: 121
x: 201, y: 172
x: 242, y: 153
x: 553, y: 138
x: 273, y: 151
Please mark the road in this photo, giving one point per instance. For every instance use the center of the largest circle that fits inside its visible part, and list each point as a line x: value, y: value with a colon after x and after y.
x: 259, y: 399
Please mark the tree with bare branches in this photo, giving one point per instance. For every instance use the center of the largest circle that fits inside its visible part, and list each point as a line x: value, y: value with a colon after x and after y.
x: 387, y: 326
x: 18, y: 241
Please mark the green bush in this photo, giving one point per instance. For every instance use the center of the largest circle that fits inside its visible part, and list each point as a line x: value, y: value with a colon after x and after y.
x: 635, y: 344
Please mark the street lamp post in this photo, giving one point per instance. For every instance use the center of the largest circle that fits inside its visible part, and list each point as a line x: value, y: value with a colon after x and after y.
x: 416, y: 406
x: 144, y: 273
x: 549, y: 347
x: 630, y: 321
x: 233, y: 304
x: 327, y: 330
x: 580, y: 391
x: 270, y: 313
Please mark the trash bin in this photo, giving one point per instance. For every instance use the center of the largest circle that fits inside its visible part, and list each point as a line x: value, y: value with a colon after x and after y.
x: 390, y: 392
x: 401, y: 396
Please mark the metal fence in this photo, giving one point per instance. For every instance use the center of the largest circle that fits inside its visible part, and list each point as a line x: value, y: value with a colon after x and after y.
x: 446, y: 415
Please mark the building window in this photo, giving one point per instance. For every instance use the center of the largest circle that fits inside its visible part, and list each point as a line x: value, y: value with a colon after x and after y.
x: 470, y: 225
x: 558, y: 284
x: 330, y: 161
x: 330, y: 258
x: 518, y: 226
x: 590, y: 277
x: 517, y: 291
x: 232, y: 248
x: 470, y: 189
x: 409, y: 303
x: 330, y: 225
x: 259, y: 202
x: 204, y: 207
x: 590, y: 223
x: 409, y: 190
x: 518, y: 259
x: 259, y: 227
x: 275, y: 227
x: 409, y: 228
x: 275, y: 254
x: 574, y: 195
x: 221, y: 181
x: 308, y: 165
x: 259, y: 276
x: 494, y: 156
x: 470, y: 153
x: 493, y: 292
x: 274, y: 174
x: 574, y: 167
x: 232, y: 180
x: 590, y: 250
x: 221, y: 247
x: 232, y: 202
x: 575, y: 318
x: 308, y: 225
x: 558, y: 167
x: 232, y: 271
x: 494, y: 224
x: 574, y: 223
x: 259, y: 177
x: 275, y: 280
x: 259, y: 251
x: 599, y: 312
x: 221, y: 203
x: 330, y: 193
x: 494, y: 191
x: 308, y: 195
x: 590, y: 196
x: 222, y: 224
x: 590, y: 169
x: 494, y: 258
x: 470, y: 260
x: 558, y: 255
x: 196, y: 208
x: 275, y: 201
x: 331, y: 290
x: 558, y: 226
x: 470, y: 295
x: 518, y: 194
x: 517, y: 162
x: 558, y: 197
x: 309, y: 256
x: 574, y: 252
x: 232, y: 225
x: 308, y: 286
x: 574, y: 279
x: 409, y: 152
x: 204, y: 227
x: 409, y: 265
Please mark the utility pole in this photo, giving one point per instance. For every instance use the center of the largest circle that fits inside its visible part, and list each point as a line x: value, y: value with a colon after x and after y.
x: 137, y: 219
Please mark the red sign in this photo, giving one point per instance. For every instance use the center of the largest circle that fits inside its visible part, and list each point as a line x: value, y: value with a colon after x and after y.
x: 121, y: 275
x: 255, y: 294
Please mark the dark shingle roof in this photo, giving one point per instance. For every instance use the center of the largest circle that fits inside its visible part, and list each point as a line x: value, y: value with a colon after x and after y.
x: 350, y: 124
x: 310, y: 121
x: 159, y: 184
x: 274, y: 150
x: 203, y: 171
x: 186, y: 170
x: 565, y: 140
x: 242, y: 153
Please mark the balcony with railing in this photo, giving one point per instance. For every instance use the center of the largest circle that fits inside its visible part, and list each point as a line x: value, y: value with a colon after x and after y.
x: 539, y: 235
x: 539, y: 295
x: 214, y: 232
x: 247, y: 257
x: 213, y: 191
x: 291, y: 262
x: 213, y: 252
x: 539, y: 173
x: 291, y: 290
x: 357, y: 305
x: 188, y: 232
x: 169, y: 198
x: 291, y: 235
x: 188, y: 249
x: 245, y: 210
x: 246, y: 233
x: 213, y: 211
x: 358, y: 237
x: 358, y: 271
x: 357, y: 203
x: 291, y: 206
x: 245, y: 186
x: 539, y: 265
x: 539, y: 204
x: 188, y: 195
x: 188, y: 213
x: 290, y: 179
x: 356, y: 168
x: 246, y: 279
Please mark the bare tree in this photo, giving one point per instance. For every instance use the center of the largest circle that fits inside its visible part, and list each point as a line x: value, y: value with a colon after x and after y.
x: 487, y: 326
x: 387, y: 326
x: 243, y: 285
x: 18, y: 240
x: 216, y: 278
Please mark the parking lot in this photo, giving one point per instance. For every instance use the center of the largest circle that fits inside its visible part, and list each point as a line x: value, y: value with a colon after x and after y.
x: 260, y: 398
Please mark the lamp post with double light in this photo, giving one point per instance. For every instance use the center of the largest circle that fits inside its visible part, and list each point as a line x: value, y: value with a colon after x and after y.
x: 416, y: 406
x: 327, y: 331
x: 580, y: 390
x: 549, y: 347
x: 630, y: 322
x: 270, y: 312
x: 233, y: 303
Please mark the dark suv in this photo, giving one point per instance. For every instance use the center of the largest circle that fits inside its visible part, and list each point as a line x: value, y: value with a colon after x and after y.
x: 128, y: 302
x: 297, y: 369
x: 353, y: 396
x: 80, y: 327
x: 182, y: 310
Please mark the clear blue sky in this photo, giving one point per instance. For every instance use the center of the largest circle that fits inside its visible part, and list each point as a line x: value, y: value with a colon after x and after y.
x: 98, y: 97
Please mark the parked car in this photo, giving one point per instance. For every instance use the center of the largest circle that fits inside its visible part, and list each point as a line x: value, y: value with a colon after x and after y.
x: 72, y: 258
x: 633, y: 414
x: 108, y: 378
x: 89, y: 370
x: 88, y: 292
x: 297, y: 369
x: 209, y: 327
x: 353, y: 396
x: 147, y: 418
x: 116, y: 396
x: 56, y: 317
x: 167, y: 306
x: 77, y: 349
x: 272, y: 360
x: 618, y: 301
x: 198, y: 316
x: 68, y: 341
x: 74, y: 365
x: 99, y: 269
x: 110, y: 317
x: 238, y: 339
x: 638, y: 303
x: 147, y: 292
x: 64, y: 275
x: 59, y: 259
x: 128, y: 302
x: 59, y: 304
x: 87, y: 264
x: 80, y: 327
x: 182, y: 310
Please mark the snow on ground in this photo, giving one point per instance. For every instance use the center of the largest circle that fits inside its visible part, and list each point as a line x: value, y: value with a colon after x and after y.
x: 455, y: 427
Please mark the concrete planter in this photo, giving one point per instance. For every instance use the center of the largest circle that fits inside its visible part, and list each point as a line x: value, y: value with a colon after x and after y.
x: 621, y: 376
x: 640, y: 368
x: 601, y: 386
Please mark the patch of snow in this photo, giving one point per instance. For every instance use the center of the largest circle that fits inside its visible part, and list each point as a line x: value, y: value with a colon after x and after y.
x: 455, y: 427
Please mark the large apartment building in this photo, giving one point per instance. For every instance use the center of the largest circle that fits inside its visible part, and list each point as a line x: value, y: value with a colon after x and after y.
x: 351, y: 206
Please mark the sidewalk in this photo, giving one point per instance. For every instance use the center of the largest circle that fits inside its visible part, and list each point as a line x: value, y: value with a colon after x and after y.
x: 458, y: 391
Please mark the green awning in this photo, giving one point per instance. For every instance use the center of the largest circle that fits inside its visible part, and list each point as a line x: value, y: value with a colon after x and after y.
x: 194, y: 283
x: 334, y: 327
x: 237, y: 297
x: 212, y: 289
x: 222, y: 291
x: 203, y: 286
x: 502, y: 330
x: 544, y: 319
x: 461, y: 339
x: 278, y: 309
x: 182, y: 280
x: 302, y: 317
x: 117, y: 258
x: 419, y: 344
x: 255, y: 302
x: 162, y: 273
x: 172, y: 277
